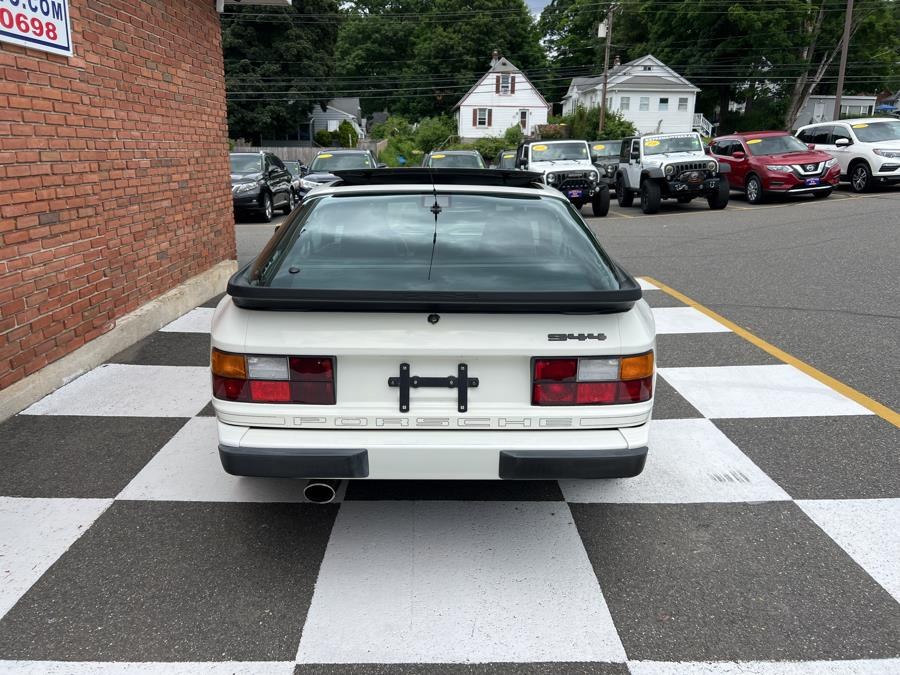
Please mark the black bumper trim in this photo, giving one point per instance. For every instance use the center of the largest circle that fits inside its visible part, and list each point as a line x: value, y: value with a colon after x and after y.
x: 293, y: 463
x: 558, y: 464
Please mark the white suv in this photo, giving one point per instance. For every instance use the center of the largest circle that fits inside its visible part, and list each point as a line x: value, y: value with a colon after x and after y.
x: 868, y: 150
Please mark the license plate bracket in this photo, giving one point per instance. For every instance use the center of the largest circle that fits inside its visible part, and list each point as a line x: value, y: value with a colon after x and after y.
x: 461, y: 382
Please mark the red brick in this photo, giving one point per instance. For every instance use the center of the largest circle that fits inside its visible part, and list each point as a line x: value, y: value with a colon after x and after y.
x: 88, y: 231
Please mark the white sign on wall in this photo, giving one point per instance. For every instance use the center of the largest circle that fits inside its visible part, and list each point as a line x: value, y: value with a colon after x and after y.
x: 39, y: 24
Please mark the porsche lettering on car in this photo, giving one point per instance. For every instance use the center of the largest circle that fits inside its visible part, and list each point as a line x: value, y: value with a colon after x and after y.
x: 433, y: 324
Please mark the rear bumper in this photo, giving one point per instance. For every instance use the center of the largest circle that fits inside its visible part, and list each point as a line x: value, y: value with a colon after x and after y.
x: 424, y: 455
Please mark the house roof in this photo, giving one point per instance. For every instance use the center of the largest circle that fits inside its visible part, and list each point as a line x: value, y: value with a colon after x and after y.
x: 624, y: 76
x: 347, y: 105
x: 499, y: 64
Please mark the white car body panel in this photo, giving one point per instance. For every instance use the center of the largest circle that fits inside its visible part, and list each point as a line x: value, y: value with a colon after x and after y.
x: 433, y: 440
x: 847, y: 154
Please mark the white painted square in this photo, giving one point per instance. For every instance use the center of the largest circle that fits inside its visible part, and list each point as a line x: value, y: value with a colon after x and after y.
x: 146, y: 668
x: 758, y: 391
x: 868, y: 530
x: 34, y: 533
x: 859, y: 667
x: 198, y: 320
x: 646, y: 285
x: 685, y: 320
x: 188, y: 468
x: 121, y: 390
x: 471, y: 582
x: 689, y: 461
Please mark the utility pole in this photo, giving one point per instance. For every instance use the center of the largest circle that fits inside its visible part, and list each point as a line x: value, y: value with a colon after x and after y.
x: 609, y: 20
x: 845, y: 44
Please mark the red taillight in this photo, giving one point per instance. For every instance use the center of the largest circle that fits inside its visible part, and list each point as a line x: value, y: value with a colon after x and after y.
x: 270, y: 391
x: 554, y: 394
x: 559, y: 370
x: 311, y: 369
x: 273, y: 379
x: 592, y: 381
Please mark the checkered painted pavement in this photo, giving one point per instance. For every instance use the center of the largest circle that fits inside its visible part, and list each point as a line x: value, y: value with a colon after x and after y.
x: 762, y: 537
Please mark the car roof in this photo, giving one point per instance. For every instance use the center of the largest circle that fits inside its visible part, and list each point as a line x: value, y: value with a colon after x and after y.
x: 858, y: 120
x: 746, y: 134
x: 453, y: 152
x: 537, y: 190
x: 261, y: 152
x: 671, y: 133
x: 343, y: 151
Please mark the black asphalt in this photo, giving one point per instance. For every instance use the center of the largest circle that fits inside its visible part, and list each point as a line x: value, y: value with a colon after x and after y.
x: 817, y: 279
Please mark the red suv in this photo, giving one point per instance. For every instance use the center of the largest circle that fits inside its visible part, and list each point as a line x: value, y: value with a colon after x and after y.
x: 775, y: 162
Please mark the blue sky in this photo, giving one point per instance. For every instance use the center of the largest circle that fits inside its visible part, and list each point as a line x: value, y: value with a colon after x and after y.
x: 536, y: 5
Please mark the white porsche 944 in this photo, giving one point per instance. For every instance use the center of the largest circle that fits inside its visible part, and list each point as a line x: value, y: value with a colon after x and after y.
x: 433, y: 324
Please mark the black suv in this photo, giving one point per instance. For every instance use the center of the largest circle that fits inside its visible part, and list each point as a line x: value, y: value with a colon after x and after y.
x: 327, y: 161
x: 260, y: 183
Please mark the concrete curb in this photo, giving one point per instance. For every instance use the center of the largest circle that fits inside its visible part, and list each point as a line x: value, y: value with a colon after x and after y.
x: 132, y: 327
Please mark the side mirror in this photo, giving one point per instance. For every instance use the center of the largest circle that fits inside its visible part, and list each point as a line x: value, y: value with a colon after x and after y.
x: 304, y: 169
x: 707, y: 150
x: 381, y: 165
x: 842, y: 142
x: 811, y: 146
x: 737, y: 154
x: 635, y: 156
x: 521, y: 163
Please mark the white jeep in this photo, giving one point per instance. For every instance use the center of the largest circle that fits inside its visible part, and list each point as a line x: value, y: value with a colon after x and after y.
x: 567, y: 166
x: 669, y: 166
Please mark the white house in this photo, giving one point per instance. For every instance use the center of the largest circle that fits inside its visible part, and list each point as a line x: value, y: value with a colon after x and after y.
x: 502, y: 98
x: 336, y: 111
x: 821, y: 109
x: 647, y: 92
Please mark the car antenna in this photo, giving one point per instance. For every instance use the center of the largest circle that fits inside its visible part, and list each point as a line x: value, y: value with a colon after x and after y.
x: 435, y: 209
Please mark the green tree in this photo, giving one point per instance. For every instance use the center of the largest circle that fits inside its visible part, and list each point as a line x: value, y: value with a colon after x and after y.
x: 277, y: 66
x: 417, y: 58
x: 434, y: 132
x: 569, y: 31
x: 346, y: 135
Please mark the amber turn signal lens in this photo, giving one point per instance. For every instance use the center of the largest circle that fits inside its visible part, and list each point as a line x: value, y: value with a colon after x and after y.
x: 636, y: 367
x: 229, y: 365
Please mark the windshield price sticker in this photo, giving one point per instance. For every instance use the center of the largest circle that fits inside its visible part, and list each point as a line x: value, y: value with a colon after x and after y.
x: 651, y: 143
x: 599, y: 146
x: 860, y: 126
x: 39, y: 24
x: 509, y: 156
x: 325, y: 155
x: 438, y: 156
x: 538, y: 148
x: 753, y: 141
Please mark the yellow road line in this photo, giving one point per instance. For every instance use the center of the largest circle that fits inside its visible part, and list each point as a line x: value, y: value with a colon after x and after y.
x: 879, y: 409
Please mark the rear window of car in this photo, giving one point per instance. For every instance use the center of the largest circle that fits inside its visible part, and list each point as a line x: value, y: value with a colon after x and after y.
x: 441, y: 160
x: 411, y: 242
x: 328, y: 162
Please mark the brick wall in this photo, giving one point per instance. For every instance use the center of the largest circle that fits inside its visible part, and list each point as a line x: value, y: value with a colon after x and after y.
x: 114, y: 184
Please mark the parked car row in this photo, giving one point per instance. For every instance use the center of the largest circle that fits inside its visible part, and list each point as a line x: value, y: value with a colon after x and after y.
x: 651, y: 168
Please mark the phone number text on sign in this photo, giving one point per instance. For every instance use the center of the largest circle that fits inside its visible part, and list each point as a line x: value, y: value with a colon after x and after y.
x: 39, y: 24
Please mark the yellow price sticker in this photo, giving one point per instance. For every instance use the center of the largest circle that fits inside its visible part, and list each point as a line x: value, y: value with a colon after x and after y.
x: 599, y: 146
x: 860, y: 126
x: 509, y: 156
x: 438, y: 156
x: 754, y: 141
x: 538, y: 148
x: 652, y: 143
x: 326, y: 155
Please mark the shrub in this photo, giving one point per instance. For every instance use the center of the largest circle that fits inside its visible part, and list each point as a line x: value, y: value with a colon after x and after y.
x: 392, y: 126
x: 513, y: 136
x: 552, y: 131
x: 433, y: 132
x: 346, y: 135
x: 324, y: 138
x: 583, y: 124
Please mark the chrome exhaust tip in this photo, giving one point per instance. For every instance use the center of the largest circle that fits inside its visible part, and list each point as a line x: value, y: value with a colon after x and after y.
x: 320, y: 491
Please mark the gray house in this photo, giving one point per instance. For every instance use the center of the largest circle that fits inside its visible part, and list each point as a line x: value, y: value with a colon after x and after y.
x: 821, y: 109
x: 336, y: 111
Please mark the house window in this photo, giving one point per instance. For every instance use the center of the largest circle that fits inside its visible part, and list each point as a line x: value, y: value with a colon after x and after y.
x: 625, y: 103
x: 648, y: 67
x: 333, y: 125
x: 663, y: 104
x: 523, y: 119
x: 504, y: 84
x: 855, y: 110
x: 682, y: 104
x: 645, y: 103
x: 482, y: 117
x: 609, y: 103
